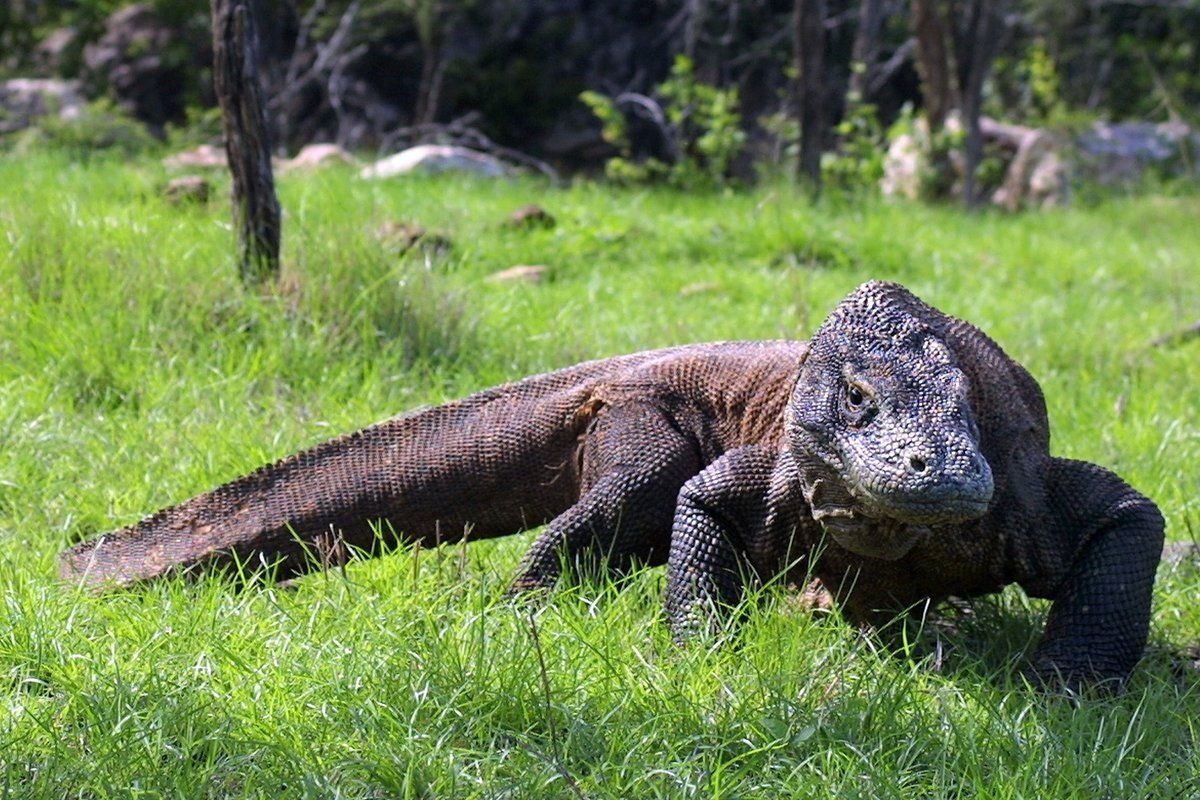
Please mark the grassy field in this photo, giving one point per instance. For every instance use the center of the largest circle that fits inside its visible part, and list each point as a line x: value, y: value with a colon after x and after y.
x: 135, y: 372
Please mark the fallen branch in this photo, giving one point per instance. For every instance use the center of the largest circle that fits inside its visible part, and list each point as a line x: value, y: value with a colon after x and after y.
x: 1176, y: 337
x: 887, y: 70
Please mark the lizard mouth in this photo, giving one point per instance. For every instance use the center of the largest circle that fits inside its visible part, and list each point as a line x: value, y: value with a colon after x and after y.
x: 929, y: 507
x: 885, y: 540
x: 889, y: 527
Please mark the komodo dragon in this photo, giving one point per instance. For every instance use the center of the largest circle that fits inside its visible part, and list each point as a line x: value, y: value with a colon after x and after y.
x: 898, y: 456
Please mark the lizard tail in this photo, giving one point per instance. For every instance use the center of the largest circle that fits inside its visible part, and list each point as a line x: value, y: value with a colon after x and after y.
x: 496, y: 463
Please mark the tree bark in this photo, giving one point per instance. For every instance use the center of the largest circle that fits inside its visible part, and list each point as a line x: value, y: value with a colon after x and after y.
x: 247, y: 141
x: 976, y: 42
x: 864, y: 56
x: 810, y: 62
x: 932, y: 61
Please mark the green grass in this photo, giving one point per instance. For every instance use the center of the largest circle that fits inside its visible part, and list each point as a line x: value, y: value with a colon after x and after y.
x: 135, y: 372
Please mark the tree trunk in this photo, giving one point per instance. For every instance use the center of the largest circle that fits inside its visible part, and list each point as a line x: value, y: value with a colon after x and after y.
x: 864, y: 56
x: 932, y: 61
x: 429, y: 89
x: 247, y: 142
x: 810, y: 62
x: 976, y: 43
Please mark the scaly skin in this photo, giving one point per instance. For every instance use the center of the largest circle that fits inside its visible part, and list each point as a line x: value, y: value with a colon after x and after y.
x: 900, y: 456
x: 916, y: 466
x: 598, y: 451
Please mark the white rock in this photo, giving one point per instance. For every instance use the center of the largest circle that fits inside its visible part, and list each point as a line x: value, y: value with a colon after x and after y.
x: 317, y: 155
x: 436, y: 158
x: 522, y: 273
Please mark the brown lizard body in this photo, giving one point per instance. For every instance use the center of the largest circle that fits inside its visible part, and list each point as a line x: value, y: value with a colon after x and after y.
x: 899, y: 456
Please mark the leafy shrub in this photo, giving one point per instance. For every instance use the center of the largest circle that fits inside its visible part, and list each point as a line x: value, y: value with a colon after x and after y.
x: 857, y: 162
x: 700, y: 123
x: 100, y: 126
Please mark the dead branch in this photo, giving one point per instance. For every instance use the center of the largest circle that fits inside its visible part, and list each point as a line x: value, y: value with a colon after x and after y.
x: 887, y: 70
x: 329, y: 56
x: 1178, y: 336
x: 648, y: 108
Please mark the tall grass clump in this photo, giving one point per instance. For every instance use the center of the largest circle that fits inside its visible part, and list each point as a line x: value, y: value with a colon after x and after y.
x: 135, y: 371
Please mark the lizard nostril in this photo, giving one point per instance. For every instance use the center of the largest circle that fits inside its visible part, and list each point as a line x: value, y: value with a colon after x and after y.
x: 918, y: 464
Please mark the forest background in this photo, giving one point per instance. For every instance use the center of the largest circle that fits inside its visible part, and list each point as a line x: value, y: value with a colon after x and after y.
x: 813, y: 85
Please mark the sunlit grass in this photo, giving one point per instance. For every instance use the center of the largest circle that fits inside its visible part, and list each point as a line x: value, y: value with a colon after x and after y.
x: 135, y: 372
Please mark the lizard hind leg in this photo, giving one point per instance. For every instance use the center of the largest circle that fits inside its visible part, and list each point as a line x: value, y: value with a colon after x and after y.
x: 634, y: 459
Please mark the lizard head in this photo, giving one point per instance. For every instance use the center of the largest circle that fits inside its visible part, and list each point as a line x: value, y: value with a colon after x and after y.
x: 880, y: 424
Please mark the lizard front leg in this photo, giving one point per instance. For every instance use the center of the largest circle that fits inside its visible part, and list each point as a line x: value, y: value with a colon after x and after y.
x: 721, y: 514
x: 1100, y: 617
x: 634, y: 459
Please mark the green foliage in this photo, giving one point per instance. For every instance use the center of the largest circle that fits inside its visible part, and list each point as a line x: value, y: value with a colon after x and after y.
x: 1029, y: 87
x: 702, y: 126
x: 1107, y: 60
x: 1044, y: 85
x: 135, y: 371
x: 101, y: 127
x: 784, y: 130
x: 857, y: 162
x: 613, y: 126
x: 706, y: 123
x: 200, y: 126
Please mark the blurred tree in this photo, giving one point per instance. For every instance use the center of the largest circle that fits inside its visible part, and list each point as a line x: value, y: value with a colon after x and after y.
x: 957, y: 43
x: 864, y: 56
x: 978, y: 34
x: 933, y: 60
x: 812, y: 77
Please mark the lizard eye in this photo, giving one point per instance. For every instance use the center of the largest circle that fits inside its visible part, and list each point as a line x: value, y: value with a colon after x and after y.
x: 858, y: 407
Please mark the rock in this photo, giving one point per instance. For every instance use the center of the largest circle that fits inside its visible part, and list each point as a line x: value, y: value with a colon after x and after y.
x: 1177, y: 554
x: 1120, y: 152
x: 404, y: 236
x: 902, y: 167
x: 701, y: 287
x: 522, y: 273
x: 206, y: 156
x: 436, y: 158
x: 129, y: 58
x: 188, y: 189
x: 313, y: 156
x: 1049, y: 185
x: 24, y: 100
x: 399, y: 235
x: 531, y: 216
x: 55, y: 54
x: 1036, y: 175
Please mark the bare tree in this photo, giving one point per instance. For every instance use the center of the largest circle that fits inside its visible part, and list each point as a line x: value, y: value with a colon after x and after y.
x: 316, y: 66
x: 433, y: 20
x: 247, y: 144
x: 864, y: 56
x: 810, y: 62
x: 977, y: 35
x: 933, y: 61
x: 957, y: 42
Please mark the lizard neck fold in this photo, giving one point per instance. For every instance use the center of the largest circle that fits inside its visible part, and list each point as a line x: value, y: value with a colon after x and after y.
x: 842, y: 517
